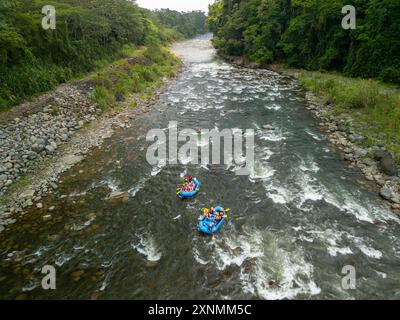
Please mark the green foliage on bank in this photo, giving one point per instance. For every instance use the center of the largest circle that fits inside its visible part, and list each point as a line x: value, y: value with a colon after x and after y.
x: 373, y: 107
x: 88, y: 33
x: 308, y: 34
x: 135, y: 77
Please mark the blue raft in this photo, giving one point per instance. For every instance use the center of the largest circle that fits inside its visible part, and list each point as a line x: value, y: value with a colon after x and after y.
x: 204, y: 223
x: 184, y: 195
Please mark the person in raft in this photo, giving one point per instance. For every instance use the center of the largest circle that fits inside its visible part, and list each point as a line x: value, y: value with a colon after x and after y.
x: 189, y: 184
x: 218, y: 216
x: 208, y: 214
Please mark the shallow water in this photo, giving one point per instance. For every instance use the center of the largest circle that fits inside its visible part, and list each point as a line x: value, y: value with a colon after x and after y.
x: 296, y: 220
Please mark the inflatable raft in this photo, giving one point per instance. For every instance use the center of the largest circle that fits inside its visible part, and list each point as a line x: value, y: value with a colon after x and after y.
x: 182, y: 194
x: 211, y: 225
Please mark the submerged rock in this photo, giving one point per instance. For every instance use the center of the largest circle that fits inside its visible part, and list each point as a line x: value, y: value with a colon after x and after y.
x: 268, y: 127
x: 152, y: 264
x: 47, y: 217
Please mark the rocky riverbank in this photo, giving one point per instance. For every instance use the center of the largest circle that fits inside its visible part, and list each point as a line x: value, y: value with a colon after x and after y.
x: 375, y: 162
x: 39, y: 140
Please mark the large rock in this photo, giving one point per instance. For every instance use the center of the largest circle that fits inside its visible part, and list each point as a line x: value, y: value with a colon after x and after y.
x: 386, y: 193
x: 388, y: 165
x: 119, y: 195
x: 8, y: 165
x: 268, y: 127
x: 355, y: 137
x: 2, y: 169
x: 50, y: 149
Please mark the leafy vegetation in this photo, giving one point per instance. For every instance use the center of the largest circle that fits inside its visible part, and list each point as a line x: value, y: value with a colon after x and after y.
x: 185, y: 25
x: 373, y: 107
x: 134, y: 77
x: 308, y: 34
x: 88, y: 34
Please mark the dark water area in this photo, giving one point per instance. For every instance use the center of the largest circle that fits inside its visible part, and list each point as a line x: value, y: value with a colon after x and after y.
x: 295, y: 221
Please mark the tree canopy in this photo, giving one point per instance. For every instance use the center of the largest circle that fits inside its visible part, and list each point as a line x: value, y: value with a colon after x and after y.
x: 33, y: 60
x: 308, y: 34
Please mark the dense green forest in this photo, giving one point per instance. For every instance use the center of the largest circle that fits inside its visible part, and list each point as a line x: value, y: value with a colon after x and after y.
x: 186, y: 24
x: 308, y: 34
x: 88, y: 33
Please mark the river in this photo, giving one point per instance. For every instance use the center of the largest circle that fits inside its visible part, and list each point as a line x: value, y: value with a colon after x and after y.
x: 295, y: 221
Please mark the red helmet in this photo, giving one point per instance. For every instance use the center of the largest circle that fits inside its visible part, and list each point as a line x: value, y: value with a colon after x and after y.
x: 190, y: 177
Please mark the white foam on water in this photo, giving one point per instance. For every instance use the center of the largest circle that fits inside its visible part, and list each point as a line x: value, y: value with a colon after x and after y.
x: 295, y: 279
x: 62, y: 259
x: 238, y: 250
x: 333, y: 251
x: 197, y: 257
x: 363, y: 211
x: 278, y: 194
x: 315, y: 136
x: 308, y: 165
x: 271, y: 135
x: 158, y: 168
x: 369, y: 251
x: 309, y: 189
x: 342, y: 242
x: 29, y: 286
x: 184, y: 173
x: 273, y: 106
x: 139, y: 186
x: 260, y: 171
x: 111, y: 183
x: 174, y: 99
x: 148, y: 247
x: 260, y: 260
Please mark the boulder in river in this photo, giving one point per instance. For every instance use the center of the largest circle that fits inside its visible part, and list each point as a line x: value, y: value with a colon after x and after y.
x: 152, y: 264
x: 388, y: 165
x: 268, y: 127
